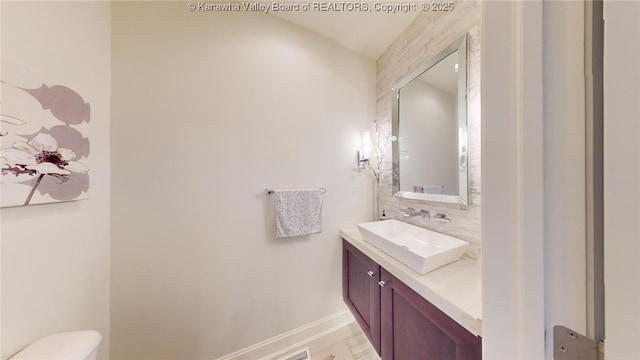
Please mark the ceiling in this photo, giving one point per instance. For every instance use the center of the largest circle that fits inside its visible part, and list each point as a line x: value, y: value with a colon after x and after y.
x: 369, y: 33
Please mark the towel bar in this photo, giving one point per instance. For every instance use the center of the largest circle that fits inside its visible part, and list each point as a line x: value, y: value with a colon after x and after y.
x: 271, y: 191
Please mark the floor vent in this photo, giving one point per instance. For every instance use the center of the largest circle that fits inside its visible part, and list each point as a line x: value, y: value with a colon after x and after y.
x: 299, y: 355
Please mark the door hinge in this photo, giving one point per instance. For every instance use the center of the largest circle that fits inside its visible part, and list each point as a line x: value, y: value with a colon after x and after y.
x: 569, y: 345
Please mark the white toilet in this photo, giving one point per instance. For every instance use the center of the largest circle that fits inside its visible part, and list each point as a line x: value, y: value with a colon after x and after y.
x: 76, y: 345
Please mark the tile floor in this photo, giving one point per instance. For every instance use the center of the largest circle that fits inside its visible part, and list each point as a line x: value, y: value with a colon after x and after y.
x: 346, y: 343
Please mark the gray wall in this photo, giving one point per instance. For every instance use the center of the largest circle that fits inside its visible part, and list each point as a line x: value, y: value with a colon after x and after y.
x: 209, y: 109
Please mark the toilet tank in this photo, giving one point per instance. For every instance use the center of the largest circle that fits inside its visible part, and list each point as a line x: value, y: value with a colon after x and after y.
x: 76, y: 345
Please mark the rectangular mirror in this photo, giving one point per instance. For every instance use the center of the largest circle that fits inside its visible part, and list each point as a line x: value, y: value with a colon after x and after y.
x: 429, y: 119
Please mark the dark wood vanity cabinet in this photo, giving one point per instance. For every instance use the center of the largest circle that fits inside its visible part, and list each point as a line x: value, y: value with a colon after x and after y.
x: 361, y: 292
x: 400, y: 323
x: 412, y: 328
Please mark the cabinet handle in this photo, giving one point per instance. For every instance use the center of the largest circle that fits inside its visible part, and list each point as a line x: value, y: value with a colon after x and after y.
x: 382, y: 283
x: 370, y: 273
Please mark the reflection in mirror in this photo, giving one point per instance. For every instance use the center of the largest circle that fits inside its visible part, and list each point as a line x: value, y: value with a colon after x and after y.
x: 429, y: 118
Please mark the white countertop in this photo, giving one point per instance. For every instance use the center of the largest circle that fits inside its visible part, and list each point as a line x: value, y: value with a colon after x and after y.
x: 456, y: 289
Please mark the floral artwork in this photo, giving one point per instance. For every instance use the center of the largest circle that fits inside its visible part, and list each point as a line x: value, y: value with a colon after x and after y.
x: 44, y: 148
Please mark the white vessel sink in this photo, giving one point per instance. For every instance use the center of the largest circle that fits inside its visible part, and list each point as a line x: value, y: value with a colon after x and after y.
x: 420, y: 249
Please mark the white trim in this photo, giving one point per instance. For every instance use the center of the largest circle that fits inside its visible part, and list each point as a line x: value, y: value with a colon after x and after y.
x: 512, y: 181
x: 290, y: 340
x: 565, y: 211
x: 531, y: 179
x: 622, y: 179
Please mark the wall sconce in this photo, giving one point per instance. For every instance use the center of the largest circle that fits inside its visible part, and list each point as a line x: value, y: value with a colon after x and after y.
x: 365, y: 150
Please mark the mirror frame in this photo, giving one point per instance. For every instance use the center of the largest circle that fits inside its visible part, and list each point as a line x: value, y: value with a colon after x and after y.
x: 463, y: 174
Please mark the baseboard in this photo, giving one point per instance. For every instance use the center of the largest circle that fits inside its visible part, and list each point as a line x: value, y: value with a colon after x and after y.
x: 288, y: 341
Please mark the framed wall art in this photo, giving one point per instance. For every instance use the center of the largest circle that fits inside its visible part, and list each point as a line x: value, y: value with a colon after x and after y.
x: 44, y: 143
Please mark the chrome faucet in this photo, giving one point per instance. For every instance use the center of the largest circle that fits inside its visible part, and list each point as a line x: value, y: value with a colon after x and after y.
x: 411, y: 212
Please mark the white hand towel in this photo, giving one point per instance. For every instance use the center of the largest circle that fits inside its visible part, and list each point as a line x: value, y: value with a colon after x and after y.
x: 298, y: 212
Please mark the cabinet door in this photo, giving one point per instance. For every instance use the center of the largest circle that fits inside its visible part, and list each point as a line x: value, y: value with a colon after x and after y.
x: 361, y: 292
x: 414, y: 329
